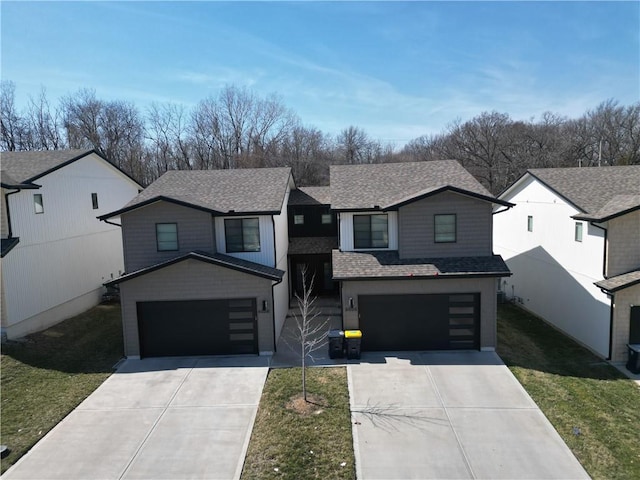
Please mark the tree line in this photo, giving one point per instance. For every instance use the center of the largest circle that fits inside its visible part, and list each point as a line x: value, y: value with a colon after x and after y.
x: 240, y: 129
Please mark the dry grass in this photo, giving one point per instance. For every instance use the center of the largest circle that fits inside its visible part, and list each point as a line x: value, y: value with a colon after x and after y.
x: 47, y: 374
x: 591, y: 404
x: 298, y: 440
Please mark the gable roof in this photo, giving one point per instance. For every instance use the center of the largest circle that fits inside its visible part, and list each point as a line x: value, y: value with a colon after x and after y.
x: 219, y: 259
x: 235, y: 192
x: 24, y: 167
x: 390, y: 185
x: 310, y: 196
x: 600, y: 193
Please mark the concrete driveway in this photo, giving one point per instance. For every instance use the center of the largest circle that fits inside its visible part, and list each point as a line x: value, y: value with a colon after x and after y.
x: 454, y: 415
x: 162, y: 418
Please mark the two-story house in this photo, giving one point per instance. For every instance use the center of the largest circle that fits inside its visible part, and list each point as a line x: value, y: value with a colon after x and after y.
x: 205, y: 256
x: 313, y: 234
x: 573, y: 245
x: 55, y: 254
x: 415, y: 261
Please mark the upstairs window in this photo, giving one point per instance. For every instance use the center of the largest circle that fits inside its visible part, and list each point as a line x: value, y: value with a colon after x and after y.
x: 167, y: 237
x: 298, y: 219
x: 242, y: 234
x: 94, y: 200
x: 529, y: 223
x: 444, y: 228
x: 370, y: 231
x: 327, y: 219
x: 37, y: 203
x: 578, y: 232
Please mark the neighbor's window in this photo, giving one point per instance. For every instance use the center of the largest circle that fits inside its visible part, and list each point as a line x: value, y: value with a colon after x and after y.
x: 578, y: 232
x: 529, y: 223
x: 94, y: 200
x: 298, y: 219
x: 444, y: 228
x: 37, y: 203
x: 242, y: 234
x: 370, y: 231
x: 167, y: 236
x: 327, y: 218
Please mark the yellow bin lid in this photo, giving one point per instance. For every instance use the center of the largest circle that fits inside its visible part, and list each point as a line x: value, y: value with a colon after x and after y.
x: 352, y: 334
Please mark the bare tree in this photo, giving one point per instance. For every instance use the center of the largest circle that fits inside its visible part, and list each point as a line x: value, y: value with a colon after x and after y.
x: 11, y: 124
x: 310, y: 333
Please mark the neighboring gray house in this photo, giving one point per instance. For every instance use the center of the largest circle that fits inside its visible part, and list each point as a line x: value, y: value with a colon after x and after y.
x: 573, y: 244
x: 205, y: 258
x: 415, y: 260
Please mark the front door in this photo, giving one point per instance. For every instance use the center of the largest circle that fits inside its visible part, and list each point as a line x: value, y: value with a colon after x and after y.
x: 318, y: 269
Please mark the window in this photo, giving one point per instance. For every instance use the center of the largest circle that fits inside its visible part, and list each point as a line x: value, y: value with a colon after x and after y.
x: 94, y: 200
x: 327, y: 218
x: 529, y: 223
x: 167, y: 237
x: 298, y: 219
x: 242, y: 234
x: 37, y: 203
x: 578, y: 232
x: 444, y: 228
x: 370, y: 231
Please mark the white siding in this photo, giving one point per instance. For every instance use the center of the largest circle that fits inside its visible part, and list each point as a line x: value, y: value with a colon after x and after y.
x: 266, y: 255
x: 346, y: 230
x: 281, y: 291
x: 553, y: 275
x: 65, y: 252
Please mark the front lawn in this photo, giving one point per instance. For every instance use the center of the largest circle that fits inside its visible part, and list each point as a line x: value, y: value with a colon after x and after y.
x: 47, y: 374
x: 594, y: 407
x: 295, y: 440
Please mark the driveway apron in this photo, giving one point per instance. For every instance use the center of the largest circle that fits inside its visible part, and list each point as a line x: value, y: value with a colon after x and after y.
x: 160, y: 418
x: 453, y: 415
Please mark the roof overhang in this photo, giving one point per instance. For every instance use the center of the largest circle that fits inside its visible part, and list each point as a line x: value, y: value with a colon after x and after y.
x: 619, y: 282
x: 218, y: 259
x: 600, y: 219
x: 8, y: 244
x: 162, y: 198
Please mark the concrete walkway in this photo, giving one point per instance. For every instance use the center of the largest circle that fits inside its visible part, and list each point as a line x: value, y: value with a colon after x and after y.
x: 159, y: 418
x: 454, y: 415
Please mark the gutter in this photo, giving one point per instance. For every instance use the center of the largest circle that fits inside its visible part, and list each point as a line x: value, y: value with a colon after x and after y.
x: 6, y: 198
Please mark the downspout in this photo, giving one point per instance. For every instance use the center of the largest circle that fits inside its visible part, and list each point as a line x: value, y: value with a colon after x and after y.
x: 6, y: 202
x: 604, y: 275
x: 273, y: 315
x: 604, y: 253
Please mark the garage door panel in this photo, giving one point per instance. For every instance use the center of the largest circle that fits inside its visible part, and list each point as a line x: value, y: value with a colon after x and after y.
x: 200, y: 327
x: 419, y: 322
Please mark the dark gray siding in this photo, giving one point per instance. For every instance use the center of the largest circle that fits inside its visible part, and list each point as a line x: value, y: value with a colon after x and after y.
x: 195, y: 232
x: 474, y: 227
x: 194, y: 280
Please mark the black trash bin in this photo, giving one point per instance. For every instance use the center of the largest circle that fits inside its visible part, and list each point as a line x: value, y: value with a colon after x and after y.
x: 352, y: 339
x: 633, y: 364
x: 336, y: 343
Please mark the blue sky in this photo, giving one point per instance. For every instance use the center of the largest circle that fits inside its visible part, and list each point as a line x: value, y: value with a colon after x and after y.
x: 398, y: 70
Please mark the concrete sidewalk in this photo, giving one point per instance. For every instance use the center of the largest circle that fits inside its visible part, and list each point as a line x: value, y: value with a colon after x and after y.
x: 158, y: 418
x: 455, y: 415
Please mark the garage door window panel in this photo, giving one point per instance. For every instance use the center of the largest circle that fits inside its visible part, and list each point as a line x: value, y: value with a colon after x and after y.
x: 167, y: 237
x: 370, y: 231
x: 242, y: 234
x: 445, y: 228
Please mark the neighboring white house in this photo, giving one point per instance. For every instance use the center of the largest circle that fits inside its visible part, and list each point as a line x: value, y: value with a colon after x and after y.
x: 573, y: 244
x: 56, y: 255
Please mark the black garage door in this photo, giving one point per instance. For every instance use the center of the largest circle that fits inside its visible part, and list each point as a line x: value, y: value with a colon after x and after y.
x: 420, y: 322
x: 197, y: 327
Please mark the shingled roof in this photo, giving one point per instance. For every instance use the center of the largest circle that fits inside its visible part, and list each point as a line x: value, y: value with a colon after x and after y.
x: 387, y: 264
x: 21, y: 169
x: 619, y: 282
x: 600, y: 193
x: 390, y: 185
x: 310, y: 196
x: 24, y: 167
x: 237, y: 192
